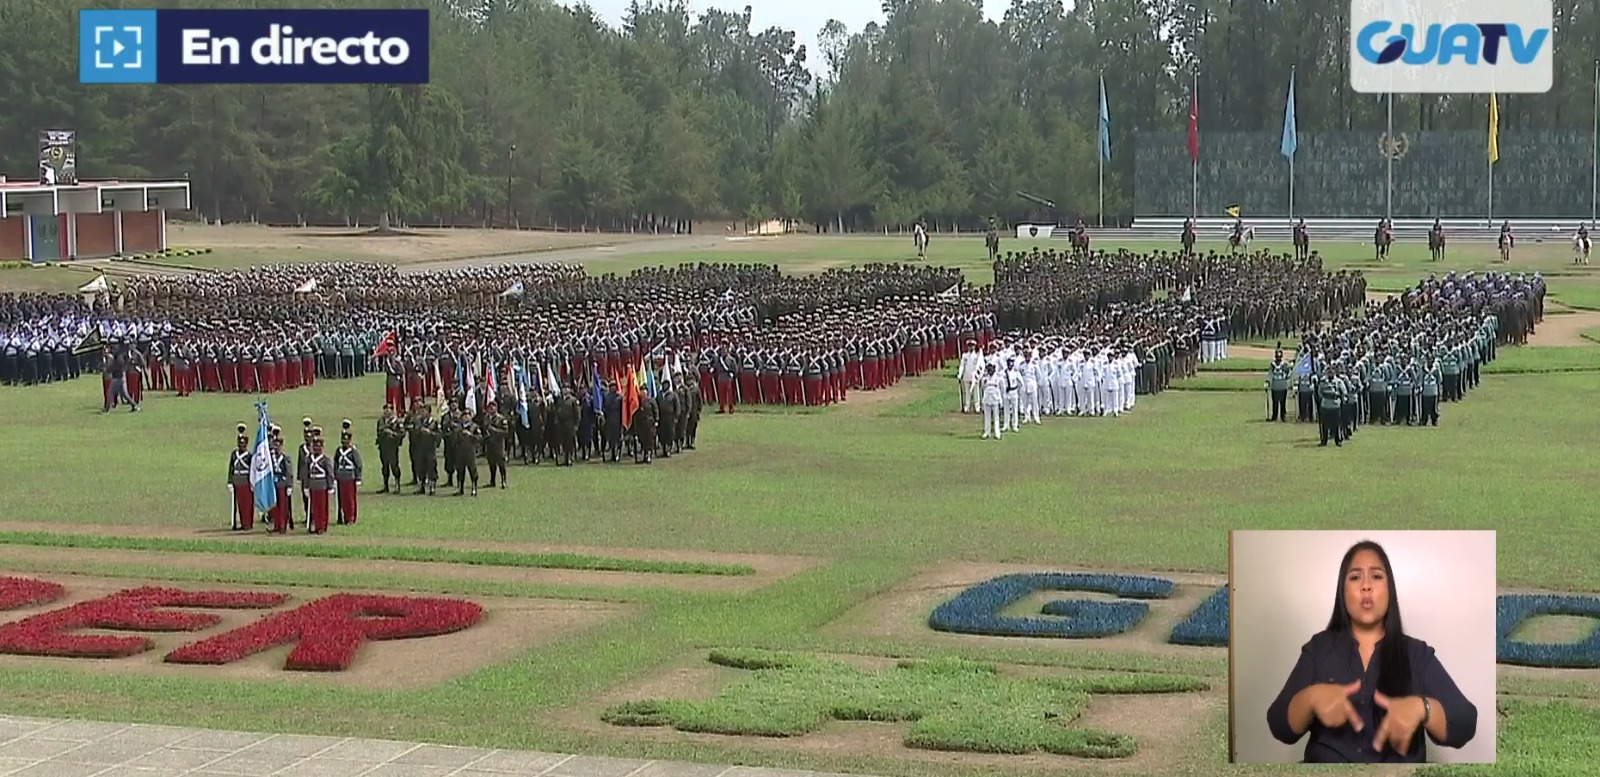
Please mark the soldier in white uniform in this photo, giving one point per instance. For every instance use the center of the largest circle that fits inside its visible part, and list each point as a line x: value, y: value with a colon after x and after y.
x: 993, y: 394
x: 1110, y: 385
x: 1012, y: 397
x: 1130, y: 375
x: 1030, y: 388
x: 970, y: 377
x: 1066, y: 393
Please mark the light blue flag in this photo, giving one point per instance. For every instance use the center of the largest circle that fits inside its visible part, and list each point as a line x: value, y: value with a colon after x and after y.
x: 1291, y: 139
x: 1303, y: 366
x: 1105, y: 123
x: 263, y: 481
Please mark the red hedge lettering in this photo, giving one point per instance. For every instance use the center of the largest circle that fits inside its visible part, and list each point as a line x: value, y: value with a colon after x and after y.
x: 19, y: 592
x: 50, y: 634
x: 328, y: 633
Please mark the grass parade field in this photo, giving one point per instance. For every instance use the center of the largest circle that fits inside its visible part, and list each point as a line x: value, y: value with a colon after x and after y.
x: 765, y: 599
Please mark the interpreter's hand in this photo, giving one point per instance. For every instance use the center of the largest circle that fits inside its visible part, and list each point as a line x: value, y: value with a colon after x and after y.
x: 1330, y: 702
x: 1400, y: 725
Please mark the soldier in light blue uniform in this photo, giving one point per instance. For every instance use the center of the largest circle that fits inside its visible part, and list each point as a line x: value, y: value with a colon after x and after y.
x: 1430, y: 396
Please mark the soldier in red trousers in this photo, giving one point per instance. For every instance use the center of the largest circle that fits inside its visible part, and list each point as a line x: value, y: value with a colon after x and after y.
x: 319, y: 479
x: 347, y: 475
x: 244, y: 500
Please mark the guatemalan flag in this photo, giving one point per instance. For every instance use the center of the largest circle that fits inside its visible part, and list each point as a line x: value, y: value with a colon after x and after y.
x: 263, y: 483
x: 520, y: 374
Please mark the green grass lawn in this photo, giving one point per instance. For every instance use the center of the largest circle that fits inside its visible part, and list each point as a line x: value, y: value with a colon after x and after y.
x: 882, y: 488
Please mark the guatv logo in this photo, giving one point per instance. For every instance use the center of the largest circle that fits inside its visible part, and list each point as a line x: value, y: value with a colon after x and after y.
x: 253, y: 46
x: 1451, y: 46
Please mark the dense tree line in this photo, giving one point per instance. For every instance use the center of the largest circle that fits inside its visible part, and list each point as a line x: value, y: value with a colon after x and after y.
x: 543, y: 114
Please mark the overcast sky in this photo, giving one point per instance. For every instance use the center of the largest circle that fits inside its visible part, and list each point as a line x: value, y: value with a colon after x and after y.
x: 805, y: 17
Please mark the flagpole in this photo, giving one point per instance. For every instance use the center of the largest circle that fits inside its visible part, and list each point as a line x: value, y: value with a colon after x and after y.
x: 1297, y: 145
x: 1594, y: 152
x: 1494, y: 128
x: 1101, y: 151
x: 1388, y: 154
x: 1194, y: 164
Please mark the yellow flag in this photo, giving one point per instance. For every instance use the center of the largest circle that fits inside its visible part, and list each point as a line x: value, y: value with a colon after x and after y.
x: 1234, y: 211
x: 1494, y: 130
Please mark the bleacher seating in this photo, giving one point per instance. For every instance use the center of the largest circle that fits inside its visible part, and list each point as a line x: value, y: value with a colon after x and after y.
x: 1336, y: 229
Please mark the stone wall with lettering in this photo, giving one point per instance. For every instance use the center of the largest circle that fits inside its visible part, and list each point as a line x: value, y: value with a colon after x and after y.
x: 1540, y: 174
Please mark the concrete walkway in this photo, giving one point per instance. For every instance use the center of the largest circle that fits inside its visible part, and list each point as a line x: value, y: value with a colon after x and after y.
x: 33, y: 747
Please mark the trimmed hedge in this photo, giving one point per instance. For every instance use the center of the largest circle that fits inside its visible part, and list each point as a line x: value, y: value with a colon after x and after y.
x: 951, y: 704
x: 977, y: 610
x: 1514, y: 609
x: 1207, y: 626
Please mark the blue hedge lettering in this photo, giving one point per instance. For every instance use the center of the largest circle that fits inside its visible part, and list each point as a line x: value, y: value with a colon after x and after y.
x: 977, y: 609
x: 1514, y: 609
x: 1207, y: 626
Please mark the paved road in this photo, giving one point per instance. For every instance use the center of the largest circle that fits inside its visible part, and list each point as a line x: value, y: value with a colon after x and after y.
x: 32, y: 747
x: 652, y: 246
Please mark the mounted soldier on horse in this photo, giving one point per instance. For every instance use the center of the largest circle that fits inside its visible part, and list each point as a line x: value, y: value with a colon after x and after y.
x: 919, y: 237
x: 1382, y: 239
x: 1581, y: 245
x: 1239, y: 239
x: 1080, y: 238
x: 1188, y: 236
x: 1507, y: 241
x: 991, y: 240
x: 1436, y: 240
x: 1302, y: 241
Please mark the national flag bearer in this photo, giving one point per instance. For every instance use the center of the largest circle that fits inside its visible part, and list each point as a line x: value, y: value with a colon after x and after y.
x: 244, y: 501
x: 263, y: 475
x: 283, y: 479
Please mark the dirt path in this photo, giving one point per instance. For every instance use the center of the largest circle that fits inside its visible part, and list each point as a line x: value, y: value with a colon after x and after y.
x: 1565, y: 331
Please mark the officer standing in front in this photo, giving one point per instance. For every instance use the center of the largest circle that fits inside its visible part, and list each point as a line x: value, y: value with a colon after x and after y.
x: 1278, y: 384
x: 391, y: 435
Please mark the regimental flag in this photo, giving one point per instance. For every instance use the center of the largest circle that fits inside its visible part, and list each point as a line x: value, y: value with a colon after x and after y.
x: 491, y: 386
x: 595, y: 394
x: 389, y: 344
x: 1194, y: 128
x: 471, y: 390
x: 1105, y: 123
x: 1494, y: 129
x: 630, y: 399
x: 552, y: 384
x: 438, y: 386
x: 90, y: 343
x: 519, y: 373
x: 1234, y: 211
x: 263, y: 482
x: 1291, y: 137
x: 1304, y: 365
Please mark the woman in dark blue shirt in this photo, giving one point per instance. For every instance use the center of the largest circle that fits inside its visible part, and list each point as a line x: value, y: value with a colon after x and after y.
x: 1363, y: 689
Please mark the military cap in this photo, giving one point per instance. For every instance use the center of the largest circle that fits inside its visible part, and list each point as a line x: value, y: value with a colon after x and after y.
x: 241, y: 429
x: 316, y: 431
x: 306, y: 422
x: 345, y: 435
x: 345, y: 424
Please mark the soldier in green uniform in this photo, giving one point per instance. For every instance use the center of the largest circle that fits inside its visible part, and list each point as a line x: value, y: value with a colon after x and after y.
x: 391, y: 434
x: 1305, y: 395
x: 424, y: 450
x: 466, y: 435
x: 449, y: 419
x: 1278, y: 376
x: 1430, y: 396
x: 1450, y: 374
x: 1378, y: 393
x: 644, y: 429
x: 1350, y: 388
x: 1329, y: 400
x: 496, y: 431
x: 1403, y: 381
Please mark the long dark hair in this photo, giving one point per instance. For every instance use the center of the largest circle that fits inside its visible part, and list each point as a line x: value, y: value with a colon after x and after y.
x: 1394, y: 664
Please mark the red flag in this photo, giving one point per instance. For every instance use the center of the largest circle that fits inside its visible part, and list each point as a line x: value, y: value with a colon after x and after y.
x: 389, y: 344
x: 1194, y: 129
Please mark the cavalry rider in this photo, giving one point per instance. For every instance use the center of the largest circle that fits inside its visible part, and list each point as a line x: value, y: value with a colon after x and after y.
x: 1188, y: 230
x: 1507, y: 240
x: 1079, y: 232
x: 1302, y: 238
x: 1583, y: 244
x: 1238, y: 230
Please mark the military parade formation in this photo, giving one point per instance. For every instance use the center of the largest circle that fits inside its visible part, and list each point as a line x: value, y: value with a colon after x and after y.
x: 546, y: 363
